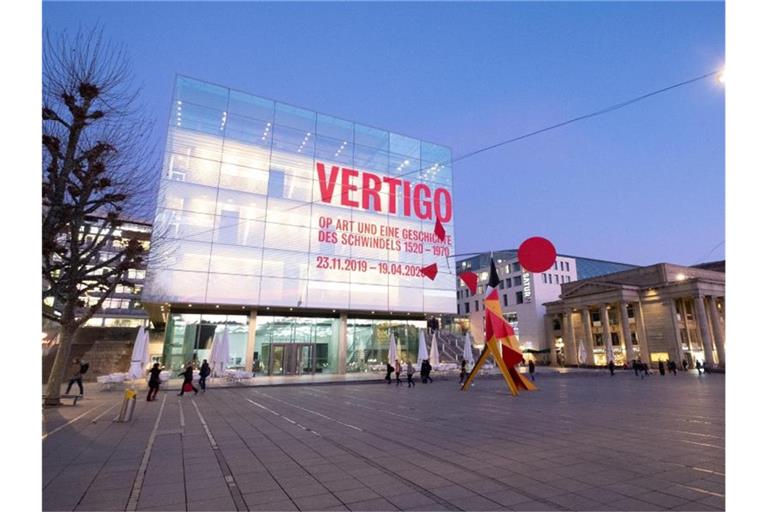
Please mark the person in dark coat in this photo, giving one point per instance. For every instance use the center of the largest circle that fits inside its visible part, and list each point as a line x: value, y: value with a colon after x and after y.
x: 409, y: 371
x: 187, y: 384
x: 390, y: 369
x: 611, y: 367
x: 154, y: 382
x: 205, y: 371
x: 428, y: 371
x: 531, y: 369
x: 698, y: 366
x: 79, y: 369
x: 672, y: 367
x: 685, y: 365
x: 661, y: 368
x: 463, y: 372
x: 423, y: 371
x: 636, y: 367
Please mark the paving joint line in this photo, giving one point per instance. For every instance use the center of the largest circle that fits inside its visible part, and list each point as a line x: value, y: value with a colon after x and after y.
x: 133, y: 499
x: 234, y: 489
x: 60, y: 427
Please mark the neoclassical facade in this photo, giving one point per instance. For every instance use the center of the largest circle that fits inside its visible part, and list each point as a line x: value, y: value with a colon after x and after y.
x: 655, y: 313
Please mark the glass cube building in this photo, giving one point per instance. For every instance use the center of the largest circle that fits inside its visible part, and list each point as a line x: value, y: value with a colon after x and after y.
x: 288, y: 228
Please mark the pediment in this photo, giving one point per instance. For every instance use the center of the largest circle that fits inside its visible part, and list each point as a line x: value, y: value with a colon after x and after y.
x: 589, y: 288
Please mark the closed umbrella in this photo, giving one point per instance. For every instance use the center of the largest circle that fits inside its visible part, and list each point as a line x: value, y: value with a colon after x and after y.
x: 434, y: 354
x: 139, y: 355
x: 220, y: 353
x: 423, y: 354
x: 392, y: 354
x: 467, y: 355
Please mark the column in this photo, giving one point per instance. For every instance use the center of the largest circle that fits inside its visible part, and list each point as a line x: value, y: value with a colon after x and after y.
x: 706, y: 338
x: 569, y: 339
x: 717, y: 330
x: 627, y: 333
x: 586, y: 322
x: 342, y: 348
x: 605, y: 321
x: 642, y: 339
x: 250, y: 342
x: 550, y: 340
x: 678, y: 348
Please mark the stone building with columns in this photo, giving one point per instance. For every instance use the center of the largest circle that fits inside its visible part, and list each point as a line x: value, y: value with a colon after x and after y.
x: 656, y: 313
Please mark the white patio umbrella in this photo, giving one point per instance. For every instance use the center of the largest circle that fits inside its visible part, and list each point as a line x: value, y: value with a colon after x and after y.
x: 392, y: 354
x: 467, y: 355
x: 423, y: 354
x: 582, y: 353
x: 434, y: 354
x: 220, y: 353
x: 140, y: 355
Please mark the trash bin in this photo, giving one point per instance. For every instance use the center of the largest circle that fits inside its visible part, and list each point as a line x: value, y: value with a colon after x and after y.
x: 129, y: 404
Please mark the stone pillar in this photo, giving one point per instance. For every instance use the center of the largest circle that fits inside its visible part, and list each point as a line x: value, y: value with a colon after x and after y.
x: 342, y: 348
x: 642, y: 338
x: 608, y: 342
x: 627, y: 333
x: 706, y: 338
x: 550, y: 340
x: 586, y: 321
x: 717, y: 330
x: 250, y: 342
x: 678, y: 347
x: 569, y: 339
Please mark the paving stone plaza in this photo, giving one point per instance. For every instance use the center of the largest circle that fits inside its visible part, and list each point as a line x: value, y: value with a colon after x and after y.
x: 584, y: 441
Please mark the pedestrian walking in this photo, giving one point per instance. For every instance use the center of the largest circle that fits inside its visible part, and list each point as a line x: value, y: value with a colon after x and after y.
x: 611, y: 367
x: 423, y: 371
x: 463, y: 372
x: 685, y: 365
x: 698, y: 366
x: 390, y: 369
x: 531, y: 369
x: 636, y: 367
x: 428, y: 371
x: 79, y: 369
x: 398, y: 369
x: 661, y: 368
x: 409, y: 371
x: 154, y: 382
x: 187, y: 384
x: 672, y: 367
x: 205, y: 371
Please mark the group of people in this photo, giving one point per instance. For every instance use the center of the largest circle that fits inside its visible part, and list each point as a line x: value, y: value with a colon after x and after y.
x: 426, y: 369
x: 186, y: 386
x: 641, y: 369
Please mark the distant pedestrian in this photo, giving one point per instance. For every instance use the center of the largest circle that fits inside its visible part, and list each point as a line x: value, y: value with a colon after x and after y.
x: 685, y: 365
x: 409, y: 371
x: 187, y: 384
x: 636, y: 367
x: 205, y: 371
x: 705, y: 366
x: 463, y: 372
x: 661, y: 368
x: 398, y: 369
x: 531, y: 369
x: 698, y: 366
x: 672, y: 367
x: 154, y: 382
x: 611, y: 367
x: 79, y: 369
x: 429, y: 370
x: 390, y: 369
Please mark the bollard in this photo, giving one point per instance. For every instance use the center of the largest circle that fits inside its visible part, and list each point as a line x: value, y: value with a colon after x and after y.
x: 129, y: 403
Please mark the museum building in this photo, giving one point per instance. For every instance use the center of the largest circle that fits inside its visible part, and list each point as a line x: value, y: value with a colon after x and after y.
x: 301, y: 234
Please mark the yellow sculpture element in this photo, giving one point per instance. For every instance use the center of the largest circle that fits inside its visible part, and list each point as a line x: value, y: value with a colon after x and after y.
x: 499, y: 334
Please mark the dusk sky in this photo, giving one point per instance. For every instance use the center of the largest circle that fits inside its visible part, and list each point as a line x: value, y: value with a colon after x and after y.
x: 641, y: 185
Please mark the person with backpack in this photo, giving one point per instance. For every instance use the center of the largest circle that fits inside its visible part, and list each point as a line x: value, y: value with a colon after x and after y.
x: 205, y: 371
x: 154, y: 382
x: 80, y: 367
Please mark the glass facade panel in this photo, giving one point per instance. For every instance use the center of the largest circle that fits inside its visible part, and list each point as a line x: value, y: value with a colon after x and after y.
x: 368, y: 342
x: 309, y: 210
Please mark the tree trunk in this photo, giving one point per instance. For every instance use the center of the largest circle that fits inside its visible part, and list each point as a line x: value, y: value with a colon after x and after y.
x: 60, y: 364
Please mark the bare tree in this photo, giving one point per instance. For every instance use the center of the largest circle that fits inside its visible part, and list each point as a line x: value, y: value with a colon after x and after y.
x: 98, y: 167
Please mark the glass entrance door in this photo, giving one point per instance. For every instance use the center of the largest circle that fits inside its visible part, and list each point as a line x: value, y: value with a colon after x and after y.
x: 292, y: 359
